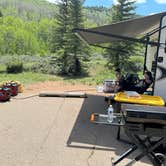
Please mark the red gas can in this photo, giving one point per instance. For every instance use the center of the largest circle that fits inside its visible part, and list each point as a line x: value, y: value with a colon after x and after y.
x: 13, y: 87
x: 5, y: 94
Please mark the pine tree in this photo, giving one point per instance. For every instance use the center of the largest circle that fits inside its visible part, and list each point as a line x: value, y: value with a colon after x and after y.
x: 59, y: 38
x: 77, y: 50
x: 124, y: 10
x: 64, y: 41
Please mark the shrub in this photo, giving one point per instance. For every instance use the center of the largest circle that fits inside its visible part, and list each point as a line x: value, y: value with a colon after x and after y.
x: 135, y: 64
x: 45, y: 65
x: 14, y: 65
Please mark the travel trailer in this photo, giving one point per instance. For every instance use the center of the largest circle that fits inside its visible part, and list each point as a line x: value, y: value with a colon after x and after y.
x: 149, y: 30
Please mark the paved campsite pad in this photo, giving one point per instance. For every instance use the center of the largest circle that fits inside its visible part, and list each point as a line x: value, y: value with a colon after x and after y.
x: 56, y: 132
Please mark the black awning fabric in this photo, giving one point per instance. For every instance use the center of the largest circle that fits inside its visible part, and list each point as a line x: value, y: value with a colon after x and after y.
x: 130, y: 28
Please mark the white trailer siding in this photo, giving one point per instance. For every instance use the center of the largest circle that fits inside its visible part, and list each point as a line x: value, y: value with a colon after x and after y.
x: 160, y: 79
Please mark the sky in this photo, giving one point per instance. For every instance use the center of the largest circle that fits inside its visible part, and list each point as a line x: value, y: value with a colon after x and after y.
x: 144, y: 7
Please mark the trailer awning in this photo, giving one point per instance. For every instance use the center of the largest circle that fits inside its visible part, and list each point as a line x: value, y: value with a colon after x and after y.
x: 129, y: 29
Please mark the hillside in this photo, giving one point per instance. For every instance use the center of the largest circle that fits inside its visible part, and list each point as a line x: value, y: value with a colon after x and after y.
x: 37, y: 9
x: 28, y: 9
x: 97, y: 16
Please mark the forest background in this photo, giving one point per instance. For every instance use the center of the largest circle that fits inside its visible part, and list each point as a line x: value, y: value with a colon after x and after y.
x: 37, y: 42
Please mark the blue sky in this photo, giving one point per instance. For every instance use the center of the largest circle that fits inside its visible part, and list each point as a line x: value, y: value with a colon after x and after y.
x: 144, y: 7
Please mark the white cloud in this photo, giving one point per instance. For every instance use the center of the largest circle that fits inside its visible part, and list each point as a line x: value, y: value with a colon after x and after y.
x: 141, y: 1
x: 54, y: 1
x: 115, y: 2
x: 161, y: 1
x: 137, y: 1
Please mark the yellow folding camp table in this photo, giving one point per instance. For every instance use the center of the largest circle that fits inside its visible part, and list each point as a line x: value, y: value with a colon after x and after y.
x: 141, y: 99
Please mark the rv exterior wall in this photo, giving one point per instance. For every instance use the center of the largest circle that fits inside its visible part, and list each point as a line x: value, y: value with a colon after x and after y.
x: 160, y: 79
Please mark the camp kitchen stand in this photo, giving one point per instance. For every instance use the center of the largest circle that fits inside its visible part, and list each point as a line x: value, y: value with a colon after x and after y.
x: 146, y: 126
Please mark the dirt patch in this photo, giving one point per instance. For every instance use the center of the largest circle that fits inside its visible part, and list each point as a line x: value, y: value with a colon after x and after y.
x: 58, y: 86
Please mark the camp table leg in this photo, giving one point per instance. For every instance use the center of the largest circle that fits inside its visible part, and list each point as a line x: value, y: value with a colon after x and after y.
x: 147, y: 151
x: 118, y: 133
x: 124, y: 155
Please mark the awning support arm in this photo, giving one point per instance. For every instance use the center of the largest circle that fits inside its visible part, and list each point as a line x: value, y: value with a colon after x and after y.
x: 155, y: 30
x: 123, y: 51
x: 117, y: 36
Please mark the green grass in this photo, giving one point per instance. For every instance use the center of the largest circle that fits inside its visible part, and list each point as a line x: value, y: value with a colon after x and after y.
x: 28, y: 77
x: 97, y: 73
